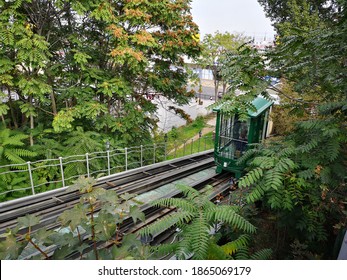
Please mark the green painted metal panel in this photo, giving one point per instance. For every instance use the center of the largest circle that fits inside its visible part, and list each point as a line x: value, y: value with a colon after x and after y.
x: 261, y: 104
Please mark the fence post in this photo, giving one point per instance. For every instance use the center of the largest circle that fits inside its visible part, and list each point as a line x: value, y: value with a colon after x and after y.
x: 87, y: 162
x: 205, y: 142
x: 191, y: 148
x: 62, y: 171
x: 154, y: 146
x: 141, y: 155
x: 31, y: 178
x: 200, y: 134
x: 184, y: 148
x: 175, y: 149
x: 165, y: 151
x: 108, y: 162
x: 126, y: 158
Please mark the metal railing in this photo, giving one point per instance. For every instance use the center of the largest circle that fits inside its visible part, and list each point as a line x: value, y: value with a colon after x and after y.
x: 30, y: 178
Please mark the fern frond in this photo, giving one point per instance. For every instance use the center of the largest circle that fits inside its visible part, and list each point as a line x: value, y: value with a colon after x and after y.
x: 15, y: 140
x: 263, y: 162
x: 13, y: 157
x: 198, y: 235
x: 249, y: 154
x: 228, y: 215
x: 231, y: 247
x: 164, y: 249
x: 284, y: 165
x: 306, y: 174
x: 332, y: 149
x: 273, y: 179
x: 257, y: 193
x: 251, y: 177
x: 312, y: 144
x: 183, y: 204
x: 24, y: 153
x: 264, y: 254
x: 187, y: 191
x: 242, y: 254
x: 166, y: 222
x: 216, y: 252
x: 275, y: 199
x: 4, y: 134
x: 184, y: 249
x: 286, y: 152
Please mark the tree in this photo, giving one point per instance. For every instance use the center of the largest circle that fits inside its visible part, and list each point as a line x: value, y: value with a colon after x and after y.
x: 214, y: 48
x: 300, y: 177
x: 92, y: 63
x: 293, y: 12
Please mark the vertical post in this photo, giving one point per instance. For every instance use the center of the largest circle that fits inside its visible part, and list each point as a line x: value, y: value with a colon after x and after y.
x: 165, y: 151
x: 62, y: 171
x: 165, y: 147
x: 184, y: 148
x: 87, y: 162
x: 31, y: 178
x: 205, y: 143
x: 108, y: 162
x: 191, y: 148
x: 200, y: 134
x: 265, y: 126
x: 126, y: 158
x: 108, y: 157
x: 175, y: 149
x: 141, y: 159
x: 154, y: 150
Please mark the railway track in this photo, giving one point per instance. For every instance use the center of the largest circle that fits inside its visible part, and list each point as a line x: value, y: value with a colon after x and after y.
x: 48, y: 206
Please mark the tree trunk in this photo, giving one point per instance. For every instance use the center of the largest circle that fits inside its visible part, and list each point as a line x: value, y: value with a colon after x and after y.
x: 54, y: 104
x: 31, y: 128
x: 216, y: 86
x: 224, y: 87
x: 3, y: 120
x: 13, y: 116
x: 30, y: 99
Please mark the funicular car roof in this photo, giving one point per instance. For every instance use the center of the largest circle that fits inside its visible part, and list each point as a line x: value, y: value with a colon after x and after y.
x: 260, y: 103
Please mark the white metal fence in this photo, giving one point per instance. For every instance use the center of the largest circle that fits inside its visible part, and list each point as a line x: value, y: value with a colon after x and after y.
x: 30, y: 178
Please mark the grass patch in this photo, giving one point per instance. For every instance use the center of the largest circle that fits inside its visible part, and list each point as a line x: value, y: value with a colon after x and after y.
x: 187, y: 131
x: 190, y: 147
x: 179, y: 139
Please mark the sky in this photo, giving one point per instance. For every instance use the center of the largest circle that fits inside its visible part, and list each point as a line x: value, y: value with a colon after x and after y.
x: 240, y: 16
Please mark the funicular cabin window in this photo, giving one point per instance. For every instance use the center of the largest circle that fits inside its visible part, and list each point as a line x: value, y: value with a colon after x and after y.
x: 233, y: 136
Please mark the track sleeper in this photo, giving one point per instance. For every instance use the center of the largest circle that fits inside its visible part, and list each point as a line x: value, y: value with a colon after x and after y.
x: 56, y: 199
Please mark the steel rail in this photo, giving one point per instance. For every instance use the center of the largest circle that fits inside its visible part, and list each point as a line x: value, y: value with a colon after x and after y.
x: 135, y: 182
x: 129, y: 175
x: 151, y: 213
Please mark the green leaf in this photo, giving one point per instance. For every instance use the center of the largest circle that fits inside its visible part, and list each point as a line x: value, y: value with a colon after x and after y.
x: 105, y: 226
x: 127, y: 196
x: 10, y: 248
x: 73, y: 217
x: 28, y: 221
x: 136, y: 214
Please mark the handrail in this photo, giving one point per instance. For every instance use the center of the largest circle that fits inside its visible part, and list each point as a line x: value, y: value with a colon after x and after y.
x: 35, y: 177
